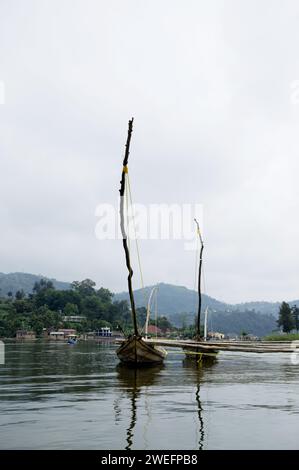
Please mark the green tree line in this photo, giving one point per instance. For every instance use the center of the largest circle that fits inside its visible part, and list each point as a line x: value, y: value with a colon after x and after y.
x: 46, y: 306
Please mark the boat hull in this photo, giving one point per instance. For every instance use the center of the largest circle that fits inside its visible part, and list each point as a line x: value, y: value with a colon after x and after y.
x: 199, y: 354
x: 136, y: 351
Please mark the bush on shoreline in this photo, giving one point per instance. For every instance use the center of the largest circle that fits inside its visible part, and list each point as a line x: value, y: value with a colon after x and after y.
x: 284, y: 337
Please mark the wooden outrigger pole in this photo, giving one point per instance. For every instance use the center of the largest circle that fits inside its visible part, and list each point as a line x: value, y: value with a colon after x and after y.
x: 134, y: 350
x: 148, y: 310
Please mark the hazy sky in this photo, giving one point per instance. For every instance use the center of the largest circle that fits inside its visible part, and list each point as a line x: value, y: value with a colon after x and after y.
x: 212, y: 86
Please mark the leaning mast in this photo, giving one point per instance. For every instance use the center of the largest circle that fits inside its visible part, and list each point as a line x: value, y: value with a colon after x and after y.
x: 122, y: 224
x: 199, y: 280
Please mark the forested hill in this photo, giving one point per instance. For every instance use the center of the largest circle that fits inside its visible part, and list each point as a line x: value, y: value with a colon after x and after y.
x: 14, y: 282
x: 179, y: 305
x: 177, y: 299
x: 173, y: 299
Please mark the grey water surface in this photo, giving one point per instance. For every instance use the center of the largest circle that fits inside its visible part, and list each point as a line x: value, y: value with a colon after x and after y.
x: 57, y: 396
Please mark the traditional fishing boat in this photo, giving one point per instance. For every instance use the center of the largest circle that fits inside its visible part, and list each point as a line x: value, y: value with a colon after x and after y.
x: 200, y: 352
x: 134, y: 350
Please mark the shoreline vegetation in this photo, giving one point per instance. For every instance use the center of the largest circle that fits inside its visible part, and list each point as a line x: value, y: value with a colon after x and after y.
x: 82, y: 307
x: 277, y: 337
x: 281, y: 337
x: 288, y: 321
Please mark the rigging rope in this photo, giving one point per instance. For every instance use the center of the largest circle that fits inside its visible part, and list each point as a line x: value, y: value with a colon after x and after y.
x: 129, y: 203
x: 204, y: 279
x: 156, y: 313
x: 127, y: 212
x: 135, y: 234
x: 196, y: 270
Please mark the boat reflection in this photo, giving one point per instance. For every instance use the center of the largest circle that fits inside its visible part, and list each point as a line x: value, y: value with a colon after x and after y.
x: 196, y: 372
x: 132, y: 381
x: 134, y: 384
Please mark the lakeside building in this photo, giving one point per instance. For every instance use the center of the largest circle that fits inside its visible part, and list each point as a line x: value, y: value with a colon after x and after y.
x: 74, y: 318
x: 99, y: 334
x: 25, y: 334
x: 216, y: 335
x: 62, y: 334
x: 105, y: 331
x: 154, y: 330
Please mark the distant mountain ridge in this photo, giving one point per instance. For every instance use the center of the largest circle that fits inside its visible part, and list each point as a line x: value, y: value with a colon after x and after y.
x: 179, y: 305
x: 173, y: 299
x: 177, y: 299
x: 12, y: 282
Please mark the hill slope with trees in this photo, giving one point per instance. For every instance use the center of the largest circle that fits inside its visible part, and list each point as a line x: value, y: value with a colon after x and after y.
x: 13, y: 282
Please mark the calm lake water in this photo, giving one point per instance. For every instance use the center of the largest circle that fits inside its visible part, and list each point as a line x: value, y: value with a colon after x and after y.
x: 57, y: 396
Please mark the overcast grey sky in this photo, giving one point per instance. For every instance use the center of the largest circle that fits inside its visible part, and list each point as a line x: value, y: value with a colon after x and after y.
x: 210, y: 85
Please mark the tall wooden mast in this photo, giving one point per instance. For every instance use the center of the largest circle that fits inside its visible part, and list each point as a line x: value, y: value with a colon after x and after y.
x: 122, y: 224
x: 199, y: 280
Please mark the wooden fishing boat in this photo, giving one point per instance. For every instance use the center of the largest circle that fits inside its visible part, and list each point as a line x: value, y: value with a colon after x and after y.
x: 199, y: 353
x: 134, y: 350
